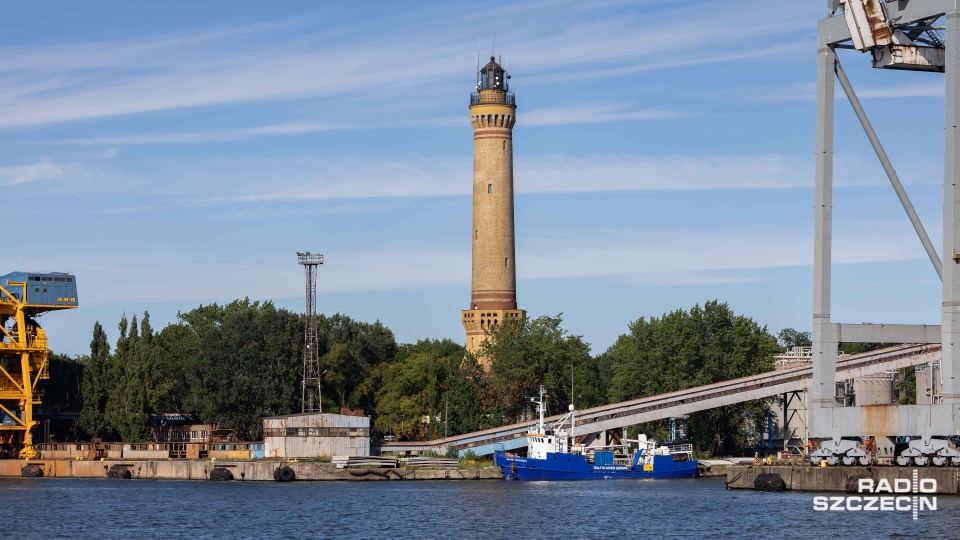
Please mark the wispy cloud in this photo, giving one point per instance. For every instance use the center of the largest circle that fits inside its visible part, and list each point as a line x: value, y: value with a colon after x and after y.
x: 646, y: 255
x: 33, y: 172
x: 593, y: 113
x: 932, y: 89
x: 663, y: 257
x: 572, y: 114
x: 224, y: 135
x: 807, y: 91
x: 672, y: 60
x: 206, y: 181
x: 681, y: 279
x: 311, y: 179
x: 291, y: 60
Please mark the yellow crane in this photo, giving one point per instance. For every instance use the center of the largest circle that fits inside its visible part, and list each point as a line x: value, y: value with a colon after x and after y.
x: 23, y: 349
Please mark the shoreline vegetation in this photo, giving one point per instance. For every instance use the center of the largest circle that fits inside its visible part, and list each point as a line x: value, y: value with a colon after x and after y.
x: 230, y: 365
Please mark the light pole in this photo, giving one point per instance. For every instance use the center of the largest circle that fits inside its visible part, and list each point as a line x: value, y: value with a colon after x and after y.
x: 320, y: 390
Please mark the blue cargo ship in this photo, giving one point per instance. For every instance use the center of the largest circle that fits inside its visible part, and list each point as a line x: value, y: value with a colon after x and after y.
x: 552, y: 454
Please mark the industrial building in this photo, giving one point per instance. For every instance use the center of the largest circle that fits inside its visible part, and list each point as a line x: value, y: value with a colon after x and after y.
x: 310, y: 435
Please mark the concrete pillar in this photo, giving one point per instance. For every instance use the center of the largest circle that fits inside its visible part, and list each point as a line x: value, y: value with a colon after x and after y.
x: 824, y: 332
x: 950, y: 326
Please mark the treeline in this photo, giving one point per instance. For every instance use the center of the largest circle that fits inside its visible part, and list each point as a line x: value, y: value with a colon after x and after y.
x: 683, y: 349
x: 232, y: 365
x: 227, y: 365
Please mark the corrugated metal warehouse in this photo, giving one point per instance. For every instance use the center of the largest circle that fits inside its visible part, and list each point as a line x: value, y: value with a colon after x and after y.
x: 316, y: 434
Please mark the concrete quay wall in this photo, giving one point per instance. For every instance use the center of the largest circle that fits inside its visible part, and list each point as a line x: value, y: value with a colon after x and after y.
x: 242, y: 470
x: 808, y: 478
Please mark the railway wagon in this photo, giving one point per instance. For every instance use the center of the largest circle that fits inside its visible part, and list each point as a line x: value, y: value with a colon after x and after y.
x: 172, y: 450
x: 146, y: 451
x: 154, y: 450
x: 85, y: 450
x: 63, y: 450
x: 236, y: 450
x: 82, y: 450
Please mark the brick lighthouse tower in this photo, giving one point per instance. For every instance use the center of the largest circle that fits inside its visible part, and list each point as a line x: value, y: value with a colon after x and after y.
x: 494, y: 295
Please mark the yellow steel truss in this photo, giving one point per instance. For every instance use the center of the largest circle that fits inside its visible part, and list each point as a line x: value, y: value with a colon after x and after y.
x: 24, y: 351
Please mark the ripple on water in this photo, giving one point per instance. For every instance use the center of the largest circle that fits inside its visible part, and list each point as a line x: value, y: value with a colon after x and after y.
x: 81, y: 508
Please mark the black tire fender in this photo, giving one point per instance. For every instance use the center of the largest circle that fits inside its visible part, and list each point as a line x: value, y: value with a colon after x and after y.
x: 284, y: 474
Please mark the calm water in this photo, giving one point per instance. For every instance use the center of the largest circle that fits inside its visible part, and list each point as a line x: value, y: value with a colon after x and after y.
x: 62, y: 508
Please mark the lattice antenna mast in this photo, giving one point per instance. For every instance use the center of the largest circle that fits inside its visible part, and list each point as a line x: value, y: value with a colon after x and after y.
x: 311, y: 366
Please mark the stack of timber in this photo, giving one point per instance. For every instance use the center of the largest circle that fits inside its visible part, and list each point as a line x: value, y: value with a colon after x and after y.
x: 352, y: 462
x: 431, y: 463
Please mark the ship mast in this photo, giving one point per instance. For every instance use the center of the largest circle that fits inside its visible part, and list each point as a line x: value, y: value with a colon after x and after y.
x: 540, y: 427
x: 573, y: 408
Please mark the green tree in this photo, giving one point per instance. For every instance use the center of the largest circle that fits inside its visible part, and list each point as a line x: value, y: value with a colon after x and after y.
x: 859, y: 348
x: 62, y: 393
x: 469, y: 397
x: 905, y: 386
x: 126, y: 409
x: 684, y: 349
x: 172, y: 369
x: 415, y: 387
x: 95, y: 385
x: 231, y: 365
x: 525, y: 353
x: 342, y: 371
x: 353, y: 354
x: 789, y: 337
x: 242, y: 362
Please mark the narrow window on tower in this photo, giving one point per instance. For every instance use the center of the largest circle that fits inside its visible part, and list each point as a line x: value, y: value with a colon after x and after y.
x: 476, y: 233
x: 504, y: 145
x: 506, y: 260
x: 489, y: 188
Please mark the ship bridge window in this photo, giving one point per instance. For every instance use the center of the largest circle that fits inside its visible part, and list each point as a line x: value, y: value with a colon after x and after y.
x: 69, y: 280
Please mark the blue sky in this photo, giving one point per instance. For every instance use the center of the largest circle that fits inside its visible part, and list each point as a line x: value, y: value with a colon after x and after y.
x: 178, y: 153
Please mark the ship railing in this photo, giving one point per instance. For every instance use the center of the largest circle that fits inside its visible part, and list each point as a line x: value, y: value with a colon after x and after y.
x: 493, y: 98
x: 32, y: 343
x: 680, y: 448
